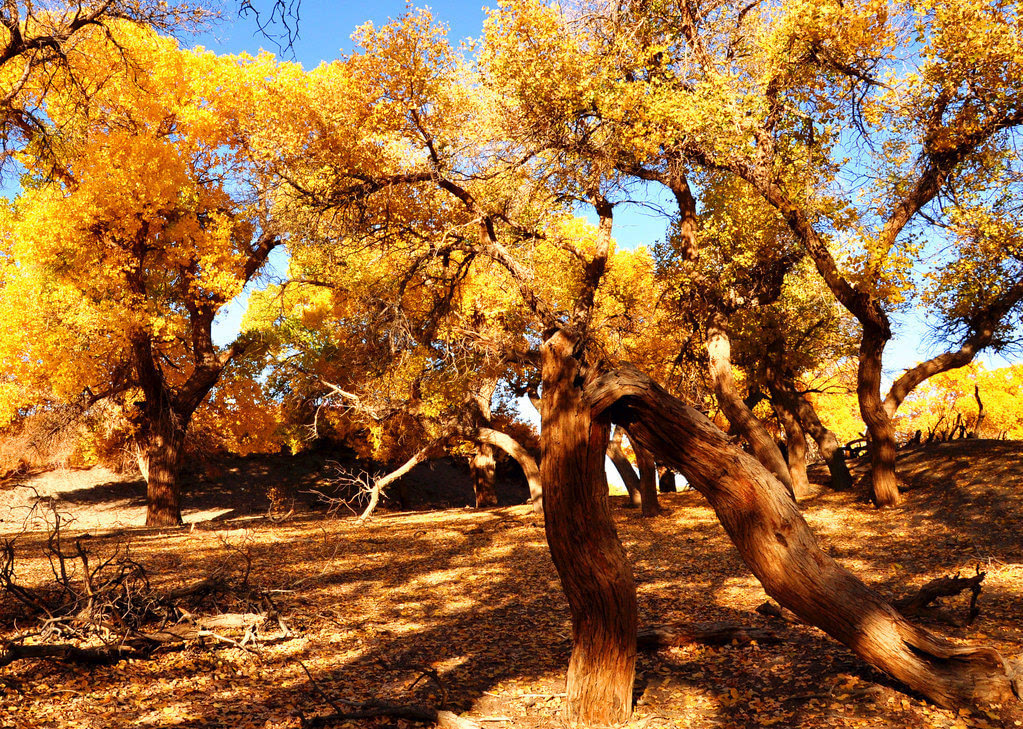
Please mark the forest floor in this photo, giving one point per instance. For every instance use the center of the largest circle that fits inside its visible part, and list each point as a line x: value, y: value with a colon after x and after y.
x: 461, y: 609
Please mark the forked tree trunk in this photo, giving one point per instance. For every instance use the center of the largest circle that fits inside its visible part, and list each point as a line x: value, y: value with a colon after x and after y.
x: 528, y: 464
x: 647, y: 480
x: 159, y: 457
x: 783, y: 391
x: 775, y: 541
x: 719, y: 353
x: 624, y: 467
x: 795, y: 443
x: 590, y: 560
x: 484, y: 473
x: 884, y: 484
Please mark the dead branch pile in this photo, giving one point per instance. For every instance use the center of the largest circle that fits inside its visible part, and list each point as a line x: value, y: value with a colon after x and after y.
x: 99, y: 609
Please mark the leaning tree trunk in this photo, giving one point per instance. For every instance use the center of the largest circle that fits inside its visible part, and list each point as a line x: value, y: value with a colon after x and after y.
x: 528, y: 464
x: 624, y: 467
x: 647, y: 480
x: 484, y: 475
x: 776, y: 543
x: 885, y: 488
x: 827, y: 443
x: 719, y: 353
x: 795, y: 443
x: 584, y: 545
x: 160, y: 452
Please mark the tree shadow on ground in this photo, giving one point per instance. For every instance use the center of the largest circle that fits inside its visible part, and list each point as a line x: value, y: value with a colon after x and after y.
x: 473, y: 597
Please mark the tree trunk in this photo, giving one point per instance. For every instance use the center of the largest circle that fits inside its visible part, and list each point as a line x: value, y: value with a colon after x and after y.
x: 778, y: 546
x: 831, y: 450
x: 885, y: 486
x: 624, y: 467
x: 590, y: 560
x: 380, y: 484
x: 647, y: 480
x: 719, y: 352
x: 159, y: 458
x: 512, y: 447
x: 795, y: 443
x: 666, y: 481
x: 484, y: 471
x: 980, y: 410
x: 483, y: 466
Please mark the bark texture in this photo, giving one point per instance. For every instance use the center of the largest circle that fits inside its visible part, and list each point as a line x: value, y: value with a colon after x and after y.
x: 595, y: 574
x: 778, y: 546
x: 160, y: 454
x: 739, y: 415
x: 647, y: 480
x: 884, y: 483
x: 795, y: 442
x: 484, y: 473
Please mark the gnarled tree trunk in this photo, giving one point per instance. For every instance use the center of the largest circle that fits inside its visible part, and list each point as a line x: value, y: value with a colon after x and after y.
x: 884, y: 484
x: 647, y: 480
x: 776, y: 543
x: 528, y: 464
x: 590, y: 560
x: 719, y: 352
x: 483, y: 466
x: 827, y: 443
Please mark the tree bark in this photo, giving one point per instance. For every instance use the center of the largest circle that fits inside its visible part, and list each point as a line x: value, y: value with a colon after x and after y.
x: 795, y: 443
x: 623, y: 465
x: 827, y: 443
x: 514, y: 449
x: 980, y: 410
x: 719, y: 352
x: 484, y: 472
x: 159, y: 457
x: 778, y: 546
x: 666, y: 481
x: 647, y: 480
x: 884, y: 484
x: 595, y: 574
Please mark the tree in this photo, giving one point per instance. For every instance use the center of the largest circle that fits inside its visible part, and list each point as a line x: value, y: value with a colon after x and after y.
x: 162, y: 221
x: 38, y: 43
x: 488, y: 164
x: 766, y: 95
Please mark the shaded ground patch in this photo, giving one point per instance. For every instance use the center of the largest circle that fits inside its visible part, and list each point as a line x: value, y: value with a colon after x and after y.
x: 472, y: 597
